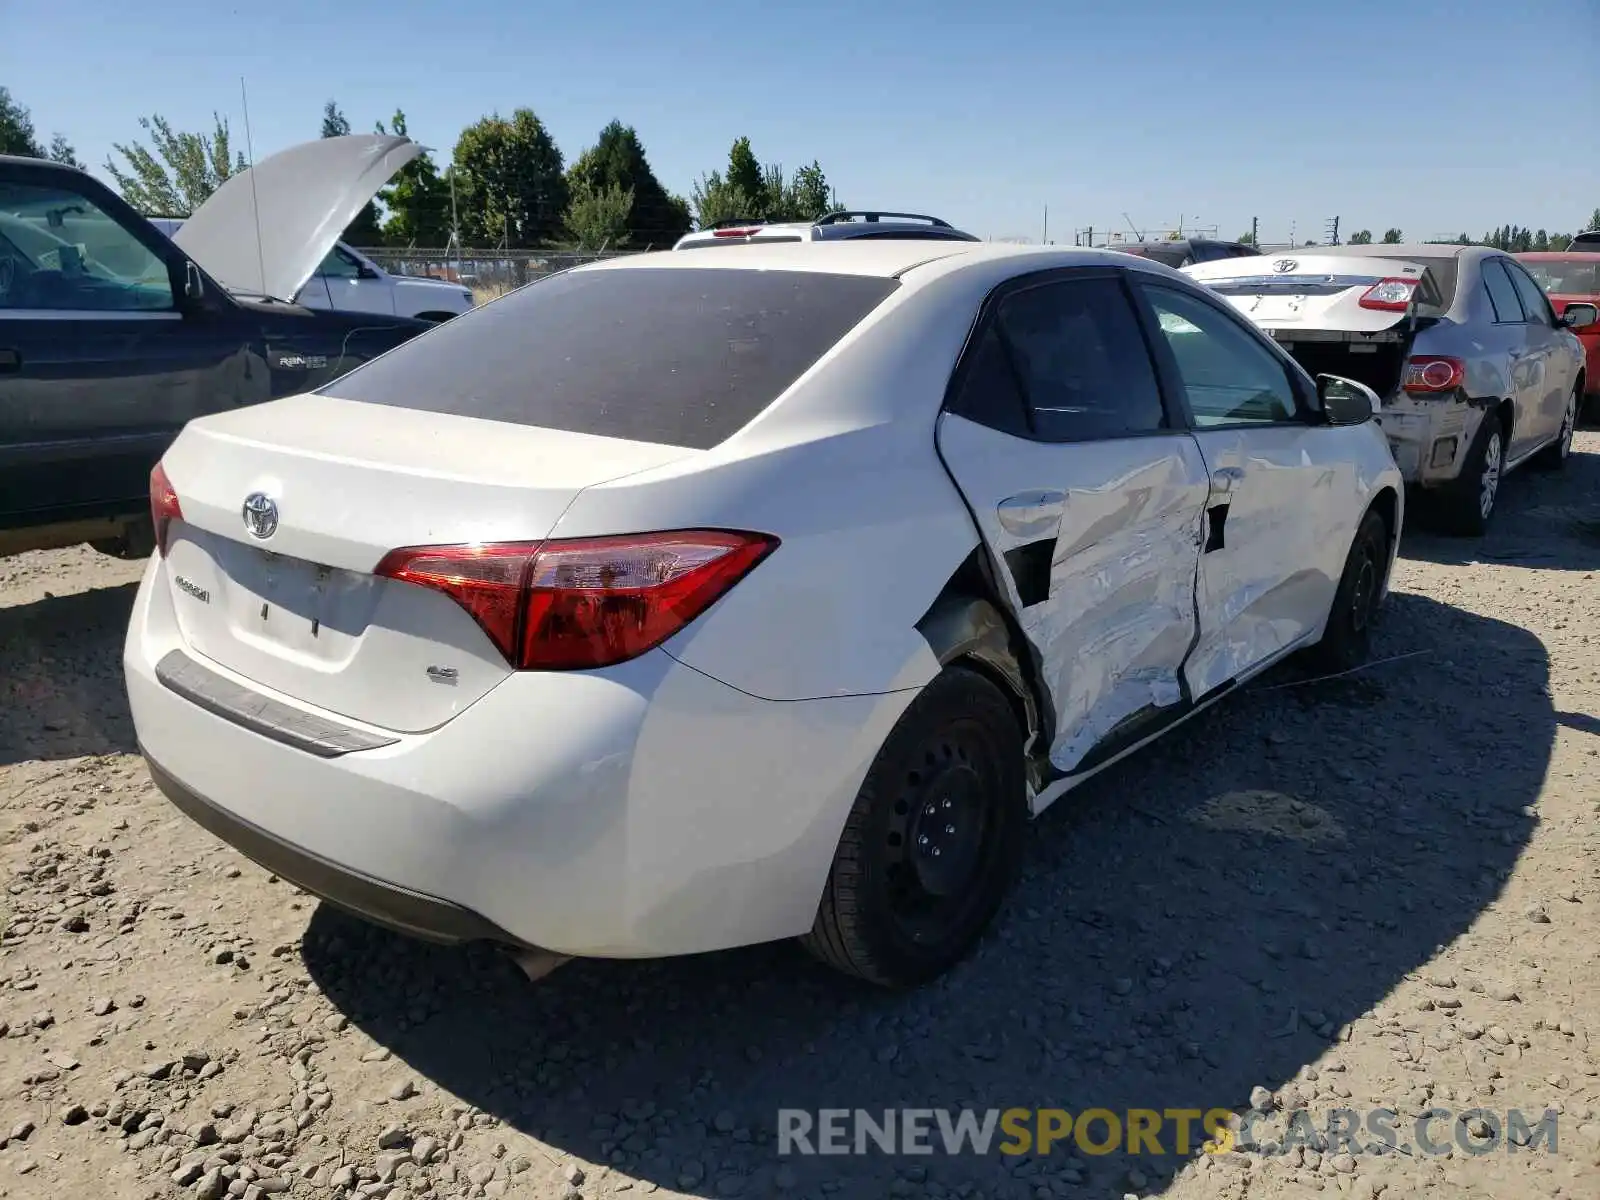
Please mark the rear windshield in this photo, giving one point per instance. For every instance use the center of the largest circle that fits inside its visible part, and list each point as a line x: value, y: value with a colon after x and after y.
x: 1567, y: 278
x: 680, y: 357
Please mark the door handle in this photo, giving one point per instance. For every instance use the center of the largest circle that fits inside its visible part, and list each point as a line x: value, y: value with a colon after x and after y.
x: 1031, y: 514
x: 10, y: 361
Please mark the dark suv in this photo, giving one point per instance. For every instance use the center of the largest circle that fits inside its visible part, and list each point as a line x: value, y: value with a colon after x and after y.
x: 111, y: 338
x: 835, y: 226
x: 1186, y: 251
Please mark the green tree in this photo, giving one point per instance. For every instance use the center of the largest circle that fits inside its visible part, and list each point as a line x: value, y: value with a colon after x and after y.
x: 17, y: 135
x: 597, y: 217
x: 181, y: 173
x: 617, y: 161
x: 417, y: 200
x: 334, y: 122
x: 715, y: 201
x: 1392, y: 237
x: 749, y: 191
x: 738, y: 196
x: 510, y: 185
x: 61, y: 151
x: 367, y: 227
x: 1246, y: 238
x: 1560, y: 241
x: 16, y: 128
x: 808, y: 195
x: 1362, y: 237
x: 1594, y: 221
x: 745, y: 173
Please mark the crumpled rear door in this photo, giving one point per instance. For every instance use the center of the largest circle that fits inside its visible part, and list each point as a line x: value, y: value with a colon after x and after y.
x: 1097, y: 546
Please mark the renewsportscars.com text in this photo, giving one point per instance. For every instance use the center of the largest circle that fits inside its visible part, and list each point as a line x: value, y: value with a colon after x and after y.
x: 1180, y: 1131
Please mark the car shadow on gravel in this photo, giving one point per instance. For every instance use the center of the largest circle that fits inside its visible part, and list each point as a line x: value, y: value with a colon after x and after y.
x: 1195, y: 922
x: 1546, y: 521
x: 61, y: 688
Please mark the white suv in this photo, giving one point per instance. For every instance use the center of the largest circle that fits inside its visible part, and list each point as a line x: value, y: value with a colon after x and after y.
x: 845, y: 224
x: 349, y: 281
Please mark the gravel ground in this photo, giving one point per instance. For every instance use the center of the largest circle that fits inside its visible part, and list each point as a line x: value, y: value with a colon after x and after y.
x: 1373, y: 892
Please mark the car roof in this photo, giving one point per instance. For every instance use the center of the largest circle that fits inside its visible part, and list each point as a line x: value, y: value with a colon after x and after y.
x: 43, y: 164
x: 890, y: 258
x: 1583, y: 256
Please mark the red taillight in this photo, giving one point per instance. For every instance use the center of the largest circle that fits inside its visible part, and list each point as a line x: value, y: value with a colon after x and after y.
x: 164, y: 508
x: 736, y: 232
x: 1389, y: 295
x: 588, y: 602
x: 1433, y: 373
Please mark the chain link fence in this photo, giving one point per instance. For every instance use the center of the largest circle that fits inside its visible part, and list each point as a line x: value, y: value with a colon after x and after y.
x: 488, y: 273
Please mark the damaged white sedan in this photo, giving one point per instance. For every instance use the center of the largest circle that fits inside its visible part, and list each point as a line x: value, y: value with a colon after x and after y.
x: 705, y: 598
x: 1477, y: 373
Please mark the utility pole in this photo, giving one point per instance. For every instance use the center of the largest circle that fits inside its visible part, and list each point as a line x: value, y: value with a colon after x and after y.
x: 1255, y: 232
x: 1044, y: 237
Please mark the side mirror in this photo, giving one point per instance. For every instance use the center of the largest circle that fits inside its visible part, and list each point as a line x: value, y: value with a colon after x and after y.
x: 1580, y: 315
x: 365, y: 272
x: 1346, y: 402
x: 194, y: 287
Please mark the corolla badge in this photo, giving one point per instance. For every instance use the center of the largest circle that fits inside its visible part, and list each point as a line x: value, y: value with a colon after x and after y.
x: 260, y: 515
x: 1284, y: 265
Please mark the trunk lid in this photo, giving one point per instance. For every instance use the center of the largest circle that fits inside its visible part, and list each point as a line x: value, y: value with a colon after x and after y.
x: 299, y: 612
x: 1314, y: 291
x: 264, y: 232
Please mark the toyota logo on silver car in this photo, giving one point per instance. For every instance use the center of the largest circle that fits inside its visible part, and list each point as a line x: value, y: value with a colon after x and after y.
x: 260, y: 515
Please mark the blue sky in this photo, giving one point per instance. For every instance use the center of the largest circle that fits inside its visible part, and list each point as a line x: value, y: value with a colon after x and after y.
x: 1433, y: 116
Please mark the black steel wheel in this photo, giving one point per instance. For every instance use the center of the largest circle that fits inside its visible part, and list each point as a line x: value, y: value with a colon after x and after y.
x: 931, y: 844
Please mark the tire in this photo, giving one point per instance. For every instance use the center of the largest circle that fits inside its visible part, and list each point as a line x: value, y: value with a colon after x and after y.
x: 932, y: 843
x: 137, y: 540
x: 1468, y: 505
x: 1554, y: 456
x: 1347, y: 640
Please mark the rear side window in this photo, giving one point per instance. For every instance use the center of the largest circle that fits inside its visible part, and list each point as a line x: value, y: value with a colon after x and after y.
x: 1507, y: 308
x: 1534, y: 302
x: 987, y: 390
x: 1068, y: 359
x: 680, y: 357
x: 1176, y: 255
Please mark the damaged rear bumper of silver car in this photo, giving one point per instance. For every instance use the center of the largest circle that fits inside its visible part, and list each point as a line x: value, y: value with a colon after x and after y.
x: 1430, y: 437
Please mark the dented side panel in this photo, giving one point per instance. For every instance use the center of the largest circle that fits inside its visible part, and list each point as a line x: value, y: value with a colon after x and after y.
x: 1268, y: 577
x: 1096, y: 546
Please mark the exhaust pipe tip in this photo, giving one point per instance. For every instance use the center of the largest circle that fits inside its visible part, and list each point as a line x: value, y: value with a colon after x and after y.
x: 536, y: 964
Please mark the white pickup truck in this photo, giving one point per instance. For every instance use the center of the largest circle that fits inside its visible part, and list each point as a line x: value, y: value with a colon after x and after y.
x: 349, y: 281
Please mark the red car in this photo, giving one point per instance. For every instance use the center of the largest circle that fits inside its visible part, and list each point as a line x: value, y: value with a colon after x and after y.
x: 1569, y: 277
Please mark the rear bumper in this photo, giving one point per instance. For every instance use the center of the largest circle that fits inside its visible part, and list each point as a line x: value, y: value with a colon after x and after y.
x: 384, y: 904
x: 641, y: 811
x: 1430, y: 439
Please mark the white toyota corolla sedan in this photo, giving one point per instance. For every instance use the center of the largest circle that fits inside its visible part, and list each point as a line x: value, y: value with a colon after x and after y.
x: 698, y: 599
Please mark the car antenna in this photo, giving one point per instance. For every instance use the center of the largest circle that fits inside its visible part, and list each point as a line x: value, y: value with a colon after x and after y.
x: 255, y: 205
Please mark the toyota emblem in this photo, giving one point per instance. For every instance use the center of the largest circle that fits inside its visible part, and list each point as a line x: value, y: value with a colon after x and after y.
x: 260, y: 515
x: 1284, y: 265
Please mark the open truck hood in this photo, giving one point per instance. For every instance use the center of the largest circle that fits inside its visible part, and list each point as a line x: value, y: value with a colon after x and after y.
x: 1314, y: 291
x: 299, y: 200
